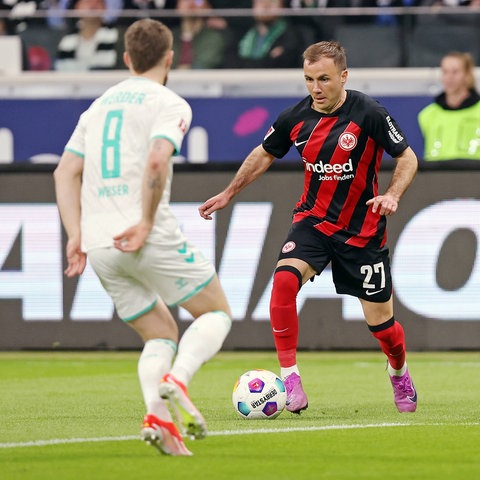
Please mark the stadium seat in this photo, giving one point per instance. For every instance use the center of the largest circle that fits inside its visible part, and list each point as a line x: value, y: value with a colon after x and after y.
x: 38, y: 58
x: 428, y: 43
x: 371, y: 45
x: 40, y: 36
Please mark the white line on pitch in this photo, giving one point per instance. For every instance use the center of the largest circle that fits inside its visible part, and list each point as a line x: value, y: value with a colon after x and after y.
x: 64, y: 441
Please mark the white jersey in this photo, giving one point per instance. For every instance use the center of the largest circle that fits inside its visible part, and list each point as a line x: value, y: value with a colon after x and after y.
x: 113, y: 136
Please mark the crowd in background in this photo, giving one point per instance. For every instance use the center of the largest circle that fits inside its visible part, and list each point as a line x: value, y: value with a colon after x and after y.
x: 87, y: 35
x: 73, y: 35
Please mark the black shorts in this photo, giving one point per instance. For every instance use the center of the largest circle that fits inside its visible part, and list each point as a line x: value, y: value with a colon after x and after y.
x: 361, y: 272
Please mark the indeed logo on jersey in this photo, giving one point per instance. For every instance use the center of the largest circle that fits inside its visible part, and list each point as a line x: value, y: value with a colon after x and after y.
x: 340, y: 171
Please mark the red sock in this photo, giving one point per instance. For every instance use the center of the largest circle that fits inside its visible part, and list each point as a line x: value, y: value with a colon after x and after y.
x: 287, y: 282
x: 392, y: 341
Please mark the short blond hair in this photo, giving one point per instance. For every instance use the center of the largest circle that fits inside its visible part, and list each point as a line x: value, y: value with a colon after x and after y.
x: 326, y: 49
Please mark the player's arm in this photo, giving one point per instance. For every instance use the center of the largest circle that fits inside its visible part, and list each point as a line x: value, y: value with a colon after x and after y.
x: 403, y: 175
x: 68, y: 184
x: 256, y: 163
x: 153, y: 184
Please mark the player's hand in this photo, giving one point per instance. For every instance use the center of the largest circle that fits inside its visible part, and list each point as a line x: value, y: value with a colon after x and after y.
x: 212, y: 205
x: 383, y: 204
x: 133, y: 238
x: 77, y: 260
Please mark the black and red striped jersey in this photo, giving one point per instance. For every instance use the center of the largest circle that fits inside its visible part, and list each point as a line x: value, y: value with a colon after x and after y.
x: 341, y: 154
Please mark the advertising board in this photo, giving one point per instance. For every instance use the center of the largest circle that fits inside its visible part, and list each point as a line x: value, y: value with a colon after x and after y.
x: 433, y: 241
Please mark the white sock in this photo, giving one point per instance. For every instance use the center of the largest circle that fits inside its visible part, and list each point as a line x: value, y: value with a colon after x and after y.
x: 286, y: 371
x: 397, y: 373
x: 154, y: 362
x: 200, y: 342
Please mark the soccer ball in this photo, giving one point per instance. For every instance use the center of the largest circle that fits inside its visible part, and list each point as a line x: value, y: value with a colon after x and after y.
x: 259, y: 394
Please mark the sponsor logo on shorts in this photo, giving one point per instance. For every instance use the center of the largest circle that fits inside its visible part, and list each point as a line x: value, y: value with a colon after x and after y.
x: 347, y: 141
x: 374, y: 292
x: 181, y: 283
x: 288, y: 247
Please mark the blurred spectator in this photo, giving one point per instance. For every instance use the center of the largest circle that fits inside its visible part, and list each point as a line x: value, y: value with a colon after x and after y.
x: 315, y: 28
x: 236, y: 26
x: 446, y: 3
x: 112, y: 7
x: 451, y: 124
x: 92, y: 45
x: 196, y: 45
x: 271, y: 43
x: 383, y: 18
x: 147, y: 9
x: 461, y: 18
x: 22, y: 12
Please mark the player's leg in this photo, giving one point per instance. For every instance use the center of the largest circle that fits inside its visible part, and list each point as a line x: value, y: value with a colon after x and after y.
x: 159, y: 331
x: 301, y: 258
x: 386, y: 330
x: 365, y: 273
x: 288, y: 278
x: 183, y: 277
x: 206, y: 334
x: 390, y: 334
x: 199, y: 343
x: 152, y: 320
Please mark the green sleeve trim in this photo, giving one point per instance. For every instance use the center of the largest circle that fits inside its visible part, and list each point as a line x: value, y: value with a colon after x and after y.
x: 75, y: 152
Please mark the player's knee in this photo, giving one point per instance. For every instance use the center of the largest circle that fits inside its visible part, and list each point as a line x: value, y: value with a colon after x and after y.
x: 225, y: 317
x: 390, y: 330
x: 287, y: 281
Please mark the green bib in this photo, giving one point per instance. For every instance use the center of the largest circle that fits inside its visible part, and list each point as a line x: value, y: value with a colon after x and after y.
x: 450, y: 134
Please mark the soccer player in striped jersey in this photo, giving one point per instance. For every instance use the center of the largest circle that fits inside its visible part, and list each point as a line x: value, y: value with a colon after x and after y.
x: 113, y: 192
x: 340, y: 218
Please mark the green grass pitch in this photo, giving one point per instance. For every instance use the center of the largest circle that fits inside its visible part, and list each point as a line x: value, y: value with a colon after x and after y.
x: 77, y: 415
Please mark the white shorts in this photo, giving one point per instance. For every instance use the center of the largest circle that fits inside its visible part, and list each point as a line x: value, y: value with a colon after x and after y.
x: 134, y: 281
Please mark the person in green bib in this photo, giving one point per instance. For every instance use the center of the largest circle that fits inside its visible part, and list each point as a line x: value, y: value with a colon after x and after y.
x: 451, y: 124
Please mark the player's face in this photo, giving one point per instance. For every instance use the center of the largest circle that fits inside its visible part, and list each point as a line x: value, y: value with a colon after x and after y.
x: 325, y: 83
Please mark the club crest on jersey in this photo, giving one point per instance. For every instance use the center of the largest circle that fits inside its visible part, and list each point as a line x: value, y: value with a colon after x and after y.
x: 270, y: 131
x: 288, y: 247
x: 347, y: 141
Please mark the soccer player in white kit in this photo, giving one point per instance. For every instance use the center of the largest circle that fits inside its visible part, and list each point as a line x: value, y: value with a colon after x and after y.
x: 113, y: 191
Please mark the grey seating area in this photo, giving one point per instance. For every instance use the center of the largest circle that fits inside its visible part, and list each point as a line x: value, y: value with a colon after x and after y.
x: 429, y: 42
x: 371, y: 45
x: 421, y: 42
